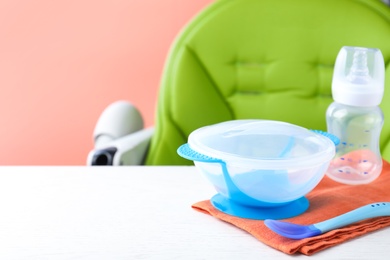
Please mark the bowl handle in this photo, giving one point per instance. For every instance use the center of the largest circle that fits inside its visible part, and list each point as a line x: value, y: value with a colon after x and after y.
x: 332, y: 137
x: 186, y: 152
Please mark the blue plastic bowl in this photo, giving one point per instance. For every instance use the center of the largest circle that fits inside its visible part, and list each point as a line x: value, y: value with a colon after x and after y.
x: 260, y: 168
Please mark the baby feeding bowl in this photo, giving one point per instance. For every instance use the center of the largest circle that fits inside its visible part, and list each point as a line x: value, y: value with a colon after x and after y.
x: 260, y: 168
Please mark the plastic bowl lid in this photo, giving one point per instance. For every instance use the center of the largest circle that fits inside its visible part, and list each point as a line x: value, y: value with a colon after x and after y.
x: 262, y: 144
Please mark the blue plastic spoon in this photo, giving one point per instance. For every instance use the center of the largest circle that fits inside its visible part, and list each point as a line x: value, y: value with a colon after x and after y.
x: 296, y: 231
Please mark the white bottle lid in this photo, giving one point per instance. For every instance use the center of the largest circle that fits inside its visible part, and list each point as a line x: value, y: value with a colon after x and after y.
x: 359, y: 77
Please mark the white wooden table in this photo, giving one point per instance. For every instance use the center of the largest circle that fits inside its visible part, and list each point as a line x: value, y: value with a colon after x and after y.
x: 130, y: 213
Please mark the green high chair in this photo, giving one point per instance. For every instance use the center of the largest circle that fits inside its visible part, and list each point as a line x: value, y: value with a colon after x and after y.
x: 258, y: 59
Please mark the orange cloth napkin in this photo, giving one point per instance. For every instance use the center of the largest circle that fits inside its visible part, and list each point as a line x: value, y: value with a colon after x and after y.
x: 327, y: 200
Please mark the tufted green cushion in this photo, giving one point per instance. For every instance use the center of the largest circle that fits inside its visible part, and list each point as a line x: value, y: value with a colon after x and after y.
x: 268, y: 59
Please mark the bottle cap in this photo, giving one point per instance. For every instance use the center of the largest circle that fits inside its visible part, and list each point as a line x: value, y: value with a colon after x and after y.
x: 359, y: 77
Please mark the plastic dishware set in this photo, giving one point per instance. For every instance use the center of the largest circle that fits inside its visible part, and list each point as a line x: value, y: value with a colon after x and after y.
x: 262, y: 169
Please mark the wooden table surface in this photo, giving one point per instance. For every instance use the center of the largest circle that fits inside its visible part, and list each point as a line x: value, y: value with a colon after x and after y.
x: 134, y: 212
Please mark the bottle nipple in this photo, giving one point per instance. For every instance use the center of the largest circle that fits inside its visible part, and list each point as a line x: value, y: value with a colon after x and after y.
x: 359, y: 73
x: 358, y: 77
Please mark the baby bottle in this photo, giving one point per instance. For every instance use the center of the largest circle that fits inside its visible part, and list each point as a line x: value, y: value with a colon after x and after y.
x: 355, y: 117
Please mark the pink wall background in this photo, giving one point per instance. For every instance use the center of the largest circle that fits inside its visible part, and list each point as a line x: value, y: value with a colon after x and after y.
x: 62, y: 62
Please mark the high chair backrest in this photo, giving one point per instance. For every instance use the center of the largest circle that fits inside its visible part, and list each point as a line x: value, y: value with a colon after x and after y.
x: 265, y: 59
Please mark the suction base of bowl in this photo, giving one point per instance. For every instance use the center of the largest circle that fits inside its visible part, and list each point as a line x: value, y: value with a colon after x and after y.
x: 289, y: 210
